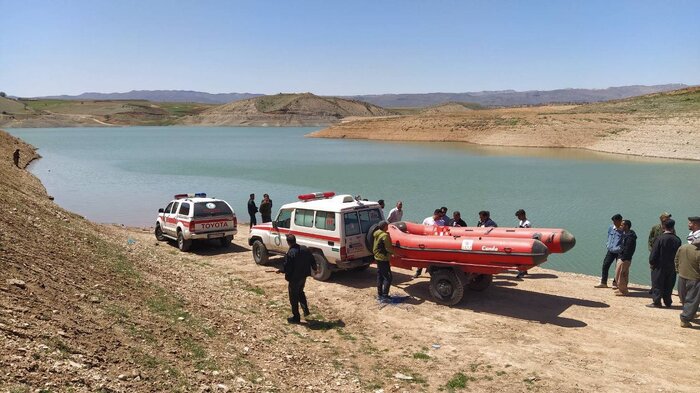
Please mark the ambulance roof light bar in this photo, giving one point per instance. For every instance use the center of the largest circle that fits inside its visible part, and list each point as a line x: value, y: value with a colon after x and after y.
x: 316, y: 195
x: 195, y: 195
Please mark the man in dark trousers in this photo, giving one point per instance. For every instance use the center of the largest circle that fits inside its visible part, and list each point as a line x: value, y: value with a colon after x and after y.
x: 15, y: 158
x: 382, y: 250
x: 298, y: 264
x: 663, y: 267
x: 613, y: 249
x: 688, y: 268
x: 252, y: 209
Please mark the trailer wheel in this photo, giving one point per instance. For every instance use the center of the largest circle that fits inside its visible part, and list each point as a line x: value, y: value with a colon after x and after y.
x: 446, y: 286
x: 479, y: 282
x: 323, y: 270
x: 260, y: 254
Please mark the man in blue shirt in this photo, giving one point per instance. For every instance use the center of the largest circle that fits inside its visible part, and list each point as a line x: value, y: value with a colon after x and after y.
x: 613, y: 249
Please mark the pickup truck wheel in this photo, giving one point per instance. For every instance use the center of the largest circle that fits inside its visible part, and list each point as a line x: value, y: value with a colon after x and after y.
x: 479, y: 282
x: 182, y: 244
x: 226, y: 241
x: 260, y: 254
x: 323, y: 270
x: 159, y: 233
x: 446, y: 287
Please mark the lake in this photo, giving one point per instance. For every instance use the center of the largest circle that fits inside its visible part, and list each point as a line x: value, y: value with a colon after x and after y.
x: 123, y: 175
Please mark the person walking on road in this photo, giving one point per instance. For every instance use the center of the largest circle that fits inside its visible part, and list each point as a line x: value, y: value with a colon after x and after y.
x: 687, y: 262
x: 628, y: 244
x: 523, y: 222
x: 15, y: 158
x: 266, y: 209
x: 299, y: 263
x: 662, y: 264
x: 396, y: 214
x: 252, y: 209
x: 382, y: 250
x: 613, y: 249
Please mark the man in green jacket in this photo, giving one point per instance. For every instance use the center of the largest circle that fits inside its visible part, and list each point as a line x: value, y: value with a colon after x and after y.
x: 658, y: 229
x: 688, y: 267
x: 382, y: 250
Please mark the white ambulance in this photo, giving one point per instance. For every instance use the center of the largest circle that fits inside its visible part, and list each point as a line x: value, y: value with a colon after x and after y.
x: 193, y: 217
x: 333, y: 227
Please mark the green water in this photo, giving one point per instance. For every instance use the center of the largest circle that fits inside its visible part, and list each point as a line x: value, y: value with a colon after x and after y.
x: 124, y: 175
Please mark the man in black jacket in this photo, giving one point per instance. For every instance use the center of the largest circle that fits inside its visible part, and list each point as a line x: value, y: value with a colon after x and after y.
x: 663, y: 267
x: 628, y: 244
x: 252, y: 209
x: 298, y: 264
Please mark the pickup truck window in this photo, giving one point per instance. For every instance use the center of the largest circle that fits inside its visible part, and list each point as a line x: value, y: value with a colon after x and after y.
x: 212, y: 209
x: 304, y: 218
x: 184, y: 209
x: 167, y: 208
x: 173, y: 209
x: 284, y: 218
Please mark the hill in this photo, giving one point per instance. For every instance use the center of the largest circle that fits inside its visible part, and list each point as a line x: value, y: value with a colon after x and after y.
x: 93, y: 113
x: 508, y: 98
x: 285, y: 110
x: 160, y: 96
x: 660, y: 125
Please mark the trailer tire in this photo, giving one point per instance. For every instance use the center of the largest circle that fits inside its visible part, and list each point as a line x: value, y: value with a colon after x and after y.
x: 446, y: 286
x: 479, y: 282
x: 323, y: 269
x: 260, y: 254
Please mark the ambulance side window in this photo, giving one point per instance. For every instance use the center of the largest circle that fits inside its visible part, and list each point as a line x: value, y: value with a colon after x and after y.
x: 284, y: 218
x: 325, y: 220
x: 185, y: 209
x: 304, y: 218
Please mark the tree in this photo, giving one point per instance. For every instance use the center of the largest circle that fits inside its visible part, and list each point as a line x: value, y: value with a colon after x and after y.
x: 2, y: 94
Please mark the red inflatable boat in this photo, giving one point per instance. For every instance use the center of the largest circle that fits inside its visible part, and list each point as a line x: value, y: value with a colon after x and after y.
x: 557, y: 240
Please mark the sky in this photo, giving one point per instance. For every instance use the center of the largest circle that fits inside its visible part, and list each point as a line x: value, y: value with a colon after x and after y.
x: 344, y: 47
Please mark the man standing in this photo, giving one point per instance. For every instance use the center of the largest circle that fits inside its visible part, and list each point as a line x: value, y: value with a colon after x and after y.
x: 628, y: 244
x: 613, y: 248
x: 523, y: 222
x: 434, y: 219
x: 383, y: 250
x: 446, y: 221
x: 694, y: 227
x: 396, y: 214
x: 252, y: 209
x: 381, y: 203
x: 457, y: 220
x: 688, y: 267
x: 485, y: 219
x: 15, y: 158
x: 266, y: 208
x: 658, y: 229
x: 298, y: 264
x: 663, y: 268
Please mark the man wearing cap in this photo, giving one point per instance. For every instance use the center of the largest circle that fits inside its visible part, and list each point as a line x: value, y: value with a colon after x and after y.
x: 688, y: 267
x: 613, y: 248
x: 694, y: 227
x: 382, y: 250
x: 657, y: 229
x: 663, y: 268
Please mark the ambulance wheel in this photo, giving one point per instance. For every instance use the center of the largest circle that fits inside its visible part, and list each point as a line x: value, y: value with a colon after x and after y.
x: 479, y: 282
x: 226, y: 241
x: 323, y: 270
x: 260, y: 254
x: 159, y: 233
x: 446, y: 286
x: 182, y: 244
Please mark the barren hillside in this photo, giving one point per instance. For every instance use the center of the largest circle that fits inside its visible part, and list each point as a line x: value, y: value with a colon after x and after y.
x: 285, y: 110
x: 659, y: 125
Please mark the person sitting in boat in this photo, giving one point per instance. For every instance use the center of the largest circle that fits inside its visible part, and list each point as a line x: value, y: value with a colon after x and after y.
x: 457, y: 220
x: 485, y: 219
x: 435, y: 219
x: 447, y: 221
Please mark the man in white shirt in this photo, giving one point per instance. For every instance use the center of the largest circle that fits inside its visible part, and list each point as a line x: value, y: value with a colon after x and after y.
x: 396, y: 214
x: 694, y: 227
x: 522, y: 223
x: 434, y: 219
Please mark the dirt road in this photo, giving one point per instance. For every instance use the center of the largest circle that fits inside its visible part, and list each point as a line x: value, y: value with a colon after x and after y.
x: 551, y: 331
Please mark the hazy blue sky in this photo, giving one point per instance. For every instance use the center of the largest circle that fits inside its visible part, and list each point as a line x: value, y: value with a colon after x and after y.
x: 344, y: 47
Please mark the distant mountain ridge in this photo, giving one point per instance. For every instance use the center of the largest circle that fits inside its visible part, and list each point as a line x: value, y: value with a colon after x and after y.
x: 162, y: 96
x: 505, y: 98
